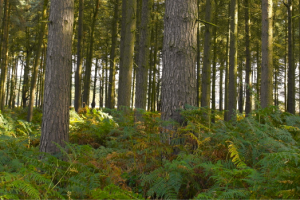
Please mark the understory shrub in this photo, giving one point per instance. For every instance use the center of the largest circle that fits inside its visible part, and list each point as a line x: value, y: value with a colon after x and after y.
x: 124, y: 155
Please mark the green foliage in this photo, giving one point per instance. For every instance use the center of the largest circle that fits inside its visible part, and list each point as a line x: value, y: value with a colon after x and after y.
x: 114, y: 192
x: 174, y: 178
x: 116, y: 156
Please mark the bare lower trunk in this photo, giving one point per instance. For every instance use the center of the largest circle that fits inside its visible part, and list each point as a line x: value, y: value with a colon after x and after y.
x: 37, y: 63
x: 124, y: 92
x: 143, y: 64
x: 78, y: 75
x: 112, y: 70
x: 291, y: 69
x: 232, y: 93
x: 4, y: 55
x: 178, y: 83
x: 267, y: 54
x: 206, y: 71
x: 248, y: 108
x: 55, y: 125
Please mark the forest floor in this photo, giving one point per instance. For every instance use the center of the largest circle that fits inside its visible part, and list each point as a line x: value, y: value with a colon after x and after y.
x: 111, y: 155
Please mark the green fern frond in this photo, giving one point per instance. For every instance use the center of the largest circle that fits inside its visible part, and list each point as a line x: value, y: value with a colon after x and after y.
x: 234, y: 154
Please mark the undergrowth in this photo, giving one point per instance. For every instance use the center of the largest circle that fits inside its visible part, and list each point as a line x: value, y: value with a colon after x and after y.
x: 123, y: 155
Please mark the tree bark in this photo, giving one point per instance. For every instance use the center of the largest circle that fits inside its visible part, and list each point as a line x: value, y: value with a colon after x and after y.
x: 4, y: 55
x: 20, y: 83
x: 221, y: 85
x: 125, y: 80
x: 112, y: 70
x: 25, y: 87
x: 143, y: 63
x: 13, y: 83
x: 214, y: 74
x: 258, y: 73
x: 55, y: 125
x: 248, y: 107
x: 78, y: 75
x: 37, y: 62
x: 198, y: 58
x: 89, y: 59
x: 179, y: 49
x: 95, y: 84
x: 232, y: 93
x: 206, y: 70
x: 291, y: 68
x: 226, y: 116
x: 153, y: 88
x: 241, y: 89
x: 267, y: 54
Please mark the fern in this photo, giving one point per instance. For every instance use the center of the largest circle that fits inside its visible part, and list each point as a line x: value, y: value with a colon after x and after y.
x: 114, y: 192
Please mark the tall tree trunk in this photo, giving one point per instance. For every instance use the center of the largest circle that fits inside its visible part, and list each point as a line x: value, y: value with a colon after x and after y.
x: 180, y: 41
x: 78, y: 75
x: 95, y: 84
x: 89, y: 59
x: 291, y: 69
x: 106, y: 75
x: 4, y: 54
x: 136, y: 50
x: 150, y: 71
x: 233, y: 60
x: 213, y: 92
x: 153, y: 92
x: 276, y: 85
x: 20, y: 83
x: 55, y: 125
x: 248, y: 108
x: 124, y: 92
x: 8, y: 81
x: 43, y: 75
x: 299, y: 59
x: 241, y: 89
x: 112, y: 70
x: 37, y: 62
x: 37, y: 91
x: 25, y: 87
x: 221, y: 85
x: 101, y: 87
x: 198, y: 58
x: 206, y: 71
x: 1, y: 28
x: 258, y: 73
x: 13, y: 82
x: 143, y: 63
x: 226, y: 116
x: 133, y: 88
x: 267, y: 54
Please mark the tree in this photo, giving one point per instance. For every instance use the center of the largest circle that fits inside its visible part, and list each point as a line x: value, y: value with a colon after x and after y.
x: 37, y: 62
x: 179, y: 47
x: 143, y: 61
x: 4, y: 54
x: 89, y: 59
x: 226, y: 114
x: 78, y: 74
x: 198, y: 58
x: 206, y: 71
x: 55, y: 125
x: 124, y: 91
x: 291, y: 68
x: 267, y: 54
x: 233, y: 59
x: 112, y: 70
x: 248, y: 108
